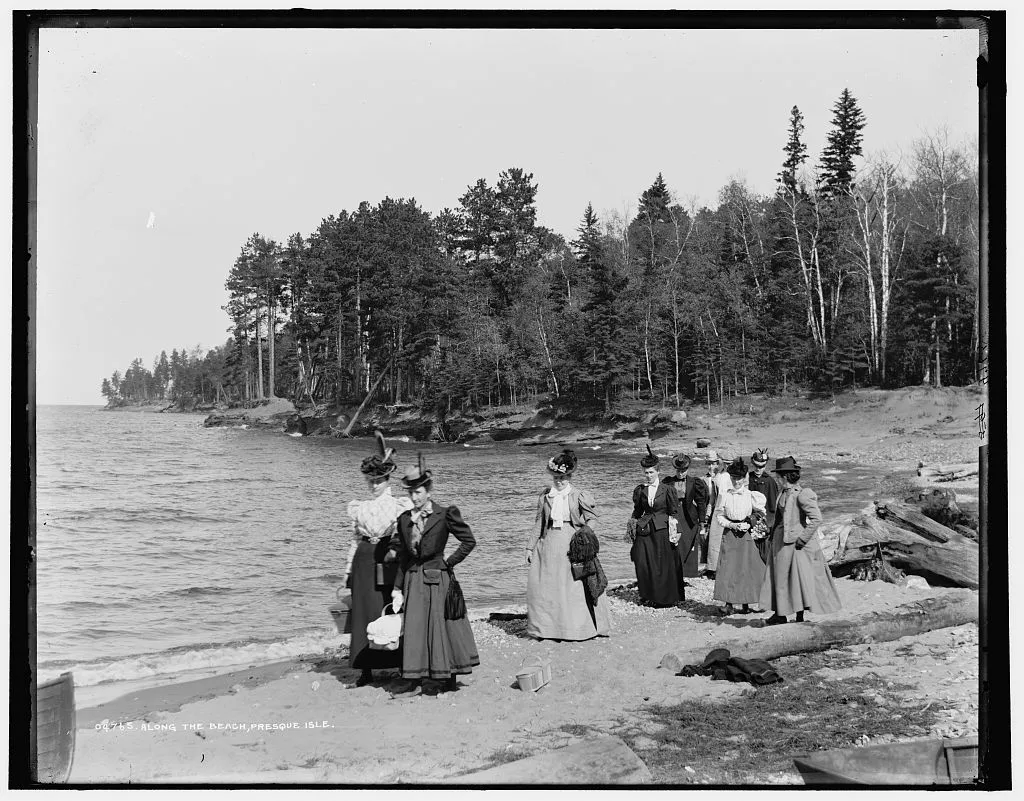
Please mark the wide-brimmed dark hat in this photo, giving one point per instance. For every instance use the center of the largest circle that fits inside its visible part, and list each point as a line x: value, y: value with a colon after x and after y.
x: 759, y: 458
x: 650, y: 460
x: 785, y: 465
x: 737, y: 468
x: 563, y: 463
x: 681, y: 462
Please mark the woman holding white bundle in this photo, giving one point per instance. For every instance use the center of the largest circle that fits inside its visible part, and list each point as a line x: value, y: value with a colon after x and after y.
x: 369, y: 571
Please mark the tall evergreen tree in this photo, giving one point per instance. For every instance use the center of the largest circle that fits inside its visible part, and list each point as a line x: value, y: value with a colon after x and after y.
x: 836, y: 169
x: 796, y: 152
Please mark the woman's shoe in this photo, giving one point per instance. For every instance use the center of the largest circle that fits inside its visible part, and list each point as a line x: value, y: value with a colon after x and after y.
x: 726, y: 610
x: 407, y: 688
x: 364, y: 678
x: 776, y: 620
x: 745, y: 609
x: 799, y: 617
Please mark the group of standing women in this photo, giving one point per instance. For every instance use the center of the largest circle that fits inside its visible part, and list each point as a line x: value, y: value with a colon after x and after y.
x: 759, y: 536
x: 397, y: 559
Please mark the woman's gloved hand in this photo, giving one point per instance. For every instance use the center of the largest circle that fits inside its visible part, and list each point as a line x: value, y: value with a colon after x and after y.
x: 397, y: 600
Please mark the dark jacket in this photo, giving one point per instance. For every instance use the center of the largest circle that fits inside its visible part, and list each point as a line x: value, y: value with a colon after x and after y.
x: 429, y: 553
x: 769, y: 487
x: 693, y: 501
x: 654, y: 518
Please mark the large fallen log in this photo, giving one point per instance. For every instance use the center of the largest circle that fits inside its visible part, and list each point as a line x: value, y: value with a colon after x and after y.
x: 862, y: 537
x: 942, y: 472
x: 906, y: 516
x: 953, y: 608
x: 597, y: 760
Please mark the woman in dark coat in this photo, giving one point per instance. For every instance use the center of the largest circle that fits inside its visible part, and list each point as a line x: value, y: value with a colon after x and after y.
x: 370, y: 574
x: 432, y: 647
x: 760, y: 480
x: 659, y: 573
x: 692, y: 492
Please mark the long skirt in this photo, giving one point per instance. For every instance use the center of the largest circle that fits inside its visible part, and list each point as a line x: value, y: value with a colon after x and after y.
x: 659, y: 574
x: 796, y: 580
x: 433, y: 647
x: 368, y: 602
x: 556, y: 605
x: 688, y: 548
x: 714, y: 549
x: 740, y: 570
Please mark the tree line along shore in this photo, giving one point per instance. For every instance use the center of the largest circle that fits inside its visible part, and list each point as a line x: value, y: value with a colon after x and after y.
x: 861, y: 268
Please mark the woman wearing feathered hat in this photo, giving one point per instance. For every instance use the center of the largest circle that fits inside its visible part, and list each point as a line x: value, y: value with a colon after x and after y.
x: 659, y: 573
x: 692, y: 492
x: 797, y: 578
x: 434, y: 646
x: 740, y: 569
x: 369, y: 573
x: 559, y: 605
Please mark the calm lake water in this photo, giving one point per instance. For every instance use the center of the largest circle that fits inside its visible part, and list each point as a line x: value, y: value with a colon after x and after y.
x: 165, y: 547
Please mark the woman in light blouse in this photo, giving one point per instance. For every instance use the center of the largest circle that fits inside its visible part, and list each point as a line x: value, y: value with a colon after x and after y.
x: 370, y: 573
x: 557, y: 605
x: 740, y: 569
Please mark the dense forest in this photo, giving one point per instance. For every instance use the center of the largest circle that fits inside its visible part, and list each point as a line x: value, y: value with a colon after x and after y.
x: 857, y: 270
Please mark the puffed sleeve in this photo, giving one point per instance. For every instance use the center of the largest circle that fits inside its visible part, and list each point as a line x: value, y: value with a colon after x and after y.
x: 700, y: 498
x: 671, y: 500
x: 353, y: 510
x: 459, y: 529
x: 638, y: 500
x: 397, y: 547
x: 531, y: 543
x: 588, y: 508
x: 807, y: 501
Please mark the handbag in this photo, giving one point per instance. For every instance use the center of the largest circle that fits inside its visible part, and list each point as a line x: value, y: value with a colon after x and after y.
x: 454, y: 602
x: 580, y: 570
x: 341, y: 611
x: 385, y: 632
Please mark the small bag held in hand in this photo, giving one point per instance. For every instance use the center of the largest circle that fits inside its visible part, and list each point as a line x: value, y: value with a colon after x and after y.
x: 454, y: 603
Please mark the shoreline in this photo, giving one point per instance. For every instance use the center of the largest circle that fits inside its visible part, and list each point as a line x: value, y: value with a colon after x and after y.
x: 221, y: 728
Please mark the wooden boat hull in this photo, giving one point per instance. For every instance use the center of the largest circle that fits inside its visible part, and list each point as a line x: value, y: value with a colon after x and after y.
x: 55, y: 729
x: 920, y: 762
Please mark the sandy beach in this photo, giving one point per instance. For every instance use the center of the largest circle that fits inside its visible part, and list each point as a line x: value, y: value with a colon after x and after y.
x: 304, y: 721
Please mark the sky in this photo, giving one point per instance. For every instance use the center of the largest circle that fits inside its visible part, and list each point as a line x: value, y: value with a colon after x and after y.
x: 161, y: 151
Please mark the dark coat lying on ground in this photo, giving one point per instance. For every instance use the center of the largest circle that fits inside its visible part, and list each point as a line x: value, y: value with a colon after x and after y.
x: 720, y: 666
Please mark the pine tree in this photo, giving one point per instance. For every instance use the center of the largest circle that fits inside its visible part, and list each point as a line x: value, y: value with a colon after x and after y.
x: 588, y: 246
x: 836, y: 169
x: 796, y: 152
x: 654, y: 202
x: 605, y: 352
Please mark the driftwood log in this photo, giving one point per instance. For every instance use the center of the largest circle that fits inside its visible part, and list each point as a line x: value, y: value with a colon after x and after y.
x: 597, y: 760
x: 903, y: 537
x: 952, y: 608
x: 950, y: 472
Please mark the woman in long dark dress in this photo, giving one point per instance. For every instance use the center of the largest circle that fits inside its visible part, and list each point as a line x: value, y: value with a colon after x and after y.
x: 432, y: 647
x: 370, y: 575
x: 659, y: 573
x: 760, y: 480
x: 692, y: 492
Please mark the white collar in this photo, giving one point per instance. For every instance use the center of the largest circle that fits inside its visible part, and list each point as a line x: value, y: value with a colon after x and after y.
x: 553, y: 493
